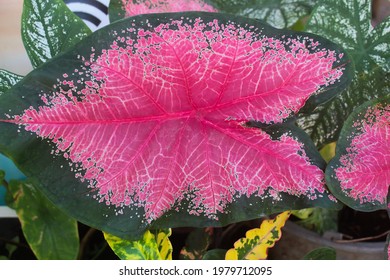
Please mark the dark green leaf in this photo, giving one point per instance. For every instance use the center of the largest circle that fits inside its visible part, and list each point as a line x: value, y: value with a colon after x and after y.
x: 348, y: 23
x: 215, y: 254
x: 197, y: 244
x: 49, y: 28
x: 325, y: 253
x: 51, y: 234
x: 278, y: 13
x: 8, y: 80
x: 358, y: 175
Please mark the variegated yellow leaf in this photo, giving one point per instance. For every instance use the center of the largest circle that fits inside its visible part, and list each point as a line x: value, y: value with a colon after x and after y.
x: 257, y: 241
x: 152, y: 246
x: 163, y: 243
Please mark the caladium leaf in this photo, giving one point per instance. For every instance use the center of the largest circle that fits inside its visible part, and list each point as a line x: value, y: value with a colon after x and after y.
x: 152, y: 246
x: 48, y: 28
x: 257, y: 241
x: 145, y: 124
x: 7, y: 80
x: 119, y: 9
x: 278, y: 13
x: 359, y: 174
x: 348, y: 23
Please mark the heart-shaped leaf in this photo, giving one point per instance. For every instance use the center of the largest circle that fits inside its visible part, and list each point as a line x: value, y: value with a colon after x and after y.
x: 7, y: 80
x: 359, y: 174
x: 48, y: 28
x: 348, y: 23
x: 146, y: 123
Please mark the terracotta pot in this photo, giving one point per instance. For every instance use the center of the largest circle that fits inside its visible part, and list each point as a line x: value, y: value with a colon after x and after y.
x: 297, y: 241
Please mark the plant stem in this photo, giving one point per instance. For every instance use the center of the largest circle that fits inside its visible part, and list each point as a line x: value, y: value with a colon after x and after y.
x: 84, y: 242
x: 5, y: 184
x: 364, y: 238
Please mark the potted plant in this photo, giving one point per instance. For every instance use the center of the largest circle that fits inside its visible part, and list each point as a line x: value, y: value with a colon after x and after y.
x: 200, y: 119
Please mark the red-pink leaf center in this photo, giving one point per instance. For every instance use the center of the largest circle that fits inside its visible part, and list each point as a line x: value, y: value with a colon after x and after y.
x: 161, y: 120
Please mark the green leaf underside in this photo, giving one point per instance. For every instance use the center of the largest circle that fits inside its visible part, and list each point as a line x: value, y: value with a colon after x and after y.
x: 49, y: 28
x: 51, y: 234
x: 153, y: 245
x: 197, y: 244
x: 348, y: 23
x: 362, y: 196
x: 31, y: 155
x: 8, y: 80
x: 325, y: 253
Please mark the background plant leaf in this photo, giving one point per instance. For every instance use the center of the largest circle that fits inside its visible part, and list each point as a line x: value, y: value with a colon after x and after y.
x: 197, y: 244
x: 51, y: 234
x: 7, y: 80
x: 215, y: 254
x: 152, y: 246
x: 359, y: 174
x: 278, y: 13
x: 324, y: 253
x: 119, y: 9
x: 257, y: 241
x: 348, y: 23
x: 116, y: 10
x: 49, y: 28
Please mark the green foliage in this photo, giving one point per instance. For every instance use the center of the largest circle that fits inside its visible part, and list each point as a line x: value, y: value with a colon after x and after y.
x: 318, y: 219
x: 49, y: 28
x: 215, y: 254
x: 8, y: 80
x: 197, y: 244
x: 324, y: 253
x: 348, y: 23
x: 278, y: 13
x: 153, y: 245
x: 51, y: 234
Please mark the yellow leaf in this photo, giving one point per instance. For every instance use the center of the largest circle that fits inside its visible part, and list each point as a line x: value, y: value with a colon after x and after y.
x: 257, y: 241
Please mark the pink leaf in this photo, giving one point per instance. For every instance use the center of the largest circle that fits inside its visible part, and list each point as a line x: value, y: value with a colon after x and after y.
x: 365, y: 168
x: 164, y: 6
x: 163, y: 117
